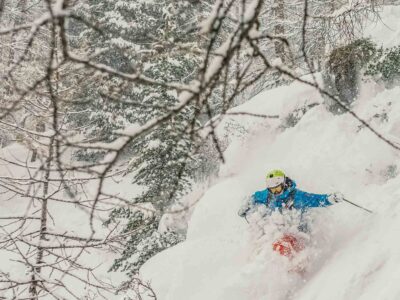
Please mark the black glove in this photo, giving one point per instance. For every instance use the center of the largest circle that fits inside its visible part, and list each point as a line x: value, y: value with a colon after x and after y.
x: 243, y: 211
x: 335, y: 198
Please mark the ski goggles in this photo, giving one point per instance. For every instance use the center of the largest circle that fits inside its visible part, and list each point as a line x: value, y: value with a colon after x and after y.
x: 277, y: 189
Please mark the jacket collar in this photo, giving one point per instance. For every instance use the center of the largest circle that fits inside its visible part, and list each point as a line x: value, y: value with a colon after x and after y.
x: 290, y: 187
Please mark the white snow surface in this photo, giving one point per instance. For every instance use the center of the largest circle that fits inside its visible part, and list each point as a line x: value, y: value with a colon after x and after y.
x: 351, y: 254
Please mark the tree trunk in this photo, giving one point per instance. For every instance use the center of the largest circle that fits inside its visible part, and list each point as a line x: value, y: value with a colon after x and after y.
x: 40, y: 127
x: 33, y: 289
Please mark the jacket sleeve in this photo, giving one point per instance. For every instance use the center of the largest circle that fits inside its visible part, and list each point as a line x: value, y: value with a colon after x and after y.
x: 248, y: 206
x: 305, y: 200
x: 251, y: 203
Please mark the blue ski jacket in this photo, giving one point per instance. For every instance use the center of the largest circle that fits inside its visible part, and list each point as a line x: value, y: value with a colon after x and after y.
x: 291, y: 198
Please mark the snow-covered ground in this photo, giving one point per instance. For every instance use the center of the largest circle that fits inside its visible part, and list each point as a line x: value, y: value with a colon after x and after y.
x: 352, y: 254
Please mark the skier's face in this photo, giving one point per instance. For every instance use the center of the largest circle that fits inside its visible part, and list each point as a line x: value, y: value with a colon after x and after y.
x: 276, y: 190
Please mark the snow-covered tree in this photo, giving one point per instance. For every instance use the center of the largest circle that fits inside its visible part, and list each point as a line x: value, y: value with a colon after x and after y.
x: 158, y: 39
x: 385, y: 66
x: 343, y: 73
x: 41, y: 249
x: 21, y: 53
x: 130, y: 37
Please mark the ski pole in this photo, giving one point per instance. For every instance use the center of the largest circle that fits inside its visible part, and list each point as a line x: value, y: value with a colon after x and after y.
x: 352, y: 203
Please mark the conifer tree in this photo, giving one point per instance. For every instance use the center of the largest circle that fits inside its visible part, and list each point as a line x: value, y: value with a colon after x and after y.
x: 158, y: 39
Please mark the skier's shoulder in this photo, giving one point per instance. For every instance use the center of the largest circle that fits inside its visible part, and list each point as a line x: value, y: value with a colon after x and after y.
x: 306, y: 195
x: 298, y: 193
x: 260, y: 196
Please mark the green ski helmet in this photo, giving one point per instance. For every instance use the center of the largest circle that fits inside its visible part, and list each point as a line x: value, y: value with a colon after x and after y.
x: 275, y: 178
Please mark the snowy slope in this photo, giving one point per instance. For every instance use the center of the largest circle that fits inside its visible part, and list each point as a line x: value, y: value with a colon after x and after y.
x: 352, y: 254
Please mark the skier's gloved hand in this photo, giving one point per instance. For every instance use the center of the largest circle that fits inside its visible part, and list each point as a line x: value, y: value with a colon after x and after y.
x: 335, y: 198
x: 243, y: 210
x: 246, y: 207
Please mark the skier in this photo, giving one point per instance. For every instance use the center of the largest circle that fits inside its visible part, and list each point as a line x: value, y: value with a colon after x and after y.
x: 281, y: 195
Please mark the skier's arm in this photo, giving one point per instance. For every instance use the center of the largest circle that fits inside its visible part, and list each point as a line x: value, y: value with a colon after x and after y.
x: 246, y: 207
x: 312, y: 200
x: 252, y: 202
